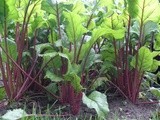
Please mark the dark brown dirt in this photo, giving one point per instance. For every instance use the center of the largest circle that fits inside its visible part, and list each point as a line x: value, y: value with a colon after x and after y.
x: 125, y: 110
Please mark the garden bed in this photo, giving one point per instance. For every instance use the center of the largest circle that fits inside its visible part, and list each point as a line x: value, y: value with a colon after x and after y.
x: 62, y: 58
x: 119, y: 107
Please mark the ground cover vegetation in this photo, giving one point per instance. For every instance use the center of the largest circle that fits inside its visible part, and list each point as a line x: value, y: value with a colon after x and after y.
x: 76, y: 51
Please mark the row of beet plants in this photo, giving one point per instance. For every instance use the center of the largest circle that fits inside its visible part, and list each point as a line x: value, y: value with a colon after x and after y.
x: 68, y: 49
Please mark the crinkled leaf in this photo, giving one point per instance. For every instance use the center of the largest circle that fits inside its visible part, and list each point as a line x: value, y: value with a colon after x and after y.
x: 155, y: 92
x: 13, y: 13
x: 145, y: 59
x: 117, y: 34
x: 37, y: 23
x: 79, y: 7
x: 155, y: 53
x: 74, y: 27
x: 133, y: 8
x: 148, y: 10
x: 99, y: 81
x: 98, y: 101
x: 48, y: 56
x: 155, y: 65
x: 75, y: 81
x: 96, y: 33
x: 108, y: 3
x: 150, y: 27
x: 114, y: 26
x: 48, y: 6
x: 40, y: 47
x: 114, y: 22
x: 52, y: 76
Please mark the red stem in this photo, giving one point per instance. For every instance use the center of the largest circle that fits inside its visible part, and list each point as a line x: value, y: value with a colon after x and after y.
x: 126, y: 59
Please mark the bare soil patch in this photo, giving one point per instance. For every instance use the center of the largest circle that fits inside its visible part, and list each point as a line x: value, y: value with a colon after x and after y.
x: 125, y: 110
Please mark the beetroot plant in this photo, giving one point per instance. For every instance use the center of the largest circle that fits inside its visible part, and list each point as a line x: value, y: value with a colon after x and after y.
x: 73, y: 35
x: 18, y: 63
x: 133, y: 27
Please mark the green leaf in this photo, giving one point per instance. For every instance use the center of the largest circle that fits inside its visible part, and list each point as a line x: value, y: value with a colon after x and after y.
x: 150, y: 27
x: 8, y: 10
x: 114, y: 26
x: 114, y: 22
x: 48, y: 6
x: 2, y: 93
x: 157, y: 42
x: 145, y: 59
x: 148, y: 10
x: 117, y: 34
x: 133, y: 8
x: 12, y: 49
x: 75, y: 80
x: 79, y: 7
x: 98, y: 101
x: 96, y: 34
x: 74, y: 27
x: 37, y: 23
x: 52, y: 76
x: 52, y: 87
x: 44, y: 46
x: 155, y: 53
x: 91, y: 59
x: 155, y: 65
x: 108, y: 3
x: 4, y: 9
x: 155, y: 92
x: 99, y: 81
x: 135, y: 28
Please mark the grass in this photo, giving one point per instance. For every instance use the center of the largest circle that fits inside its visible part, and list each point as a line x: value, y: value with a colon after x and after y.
x: 55, y: 114
x: 155, y: 115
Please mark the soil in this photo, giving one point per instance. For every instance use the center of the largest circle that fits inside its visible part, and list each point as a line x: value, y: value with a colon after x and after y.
x: 120, y: 108
x: 125, y: 110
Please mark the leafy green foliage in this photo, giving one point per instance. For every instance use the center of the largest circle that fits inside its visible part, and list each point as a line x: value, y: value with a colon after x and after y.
x: 155, y: 92
x: 98, y: 101
x: 99, y: 81
x: 53, y: 88
x: 157, y: 42
x: 76, y: 36
x: 148, y: 10
x: 50, y: 75
x: 2, y: 93
x: 75, y: 81
x: 133, y: 8
x: 12, y: 13
x: 74, y: 27
x: 145, y: 59
x: 12, y: 49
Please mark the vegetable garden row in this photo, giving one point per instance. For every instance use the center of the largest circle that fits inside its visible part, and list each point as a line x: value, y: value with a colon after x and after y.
x: 71, y: 49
